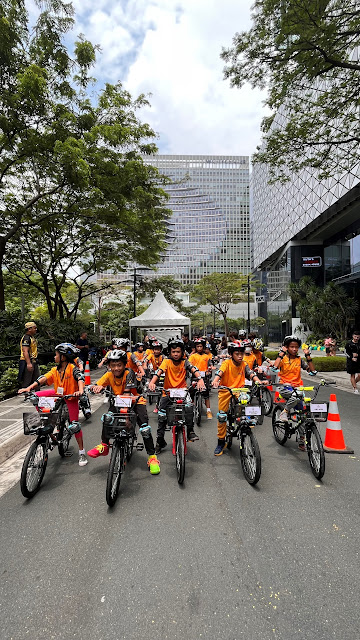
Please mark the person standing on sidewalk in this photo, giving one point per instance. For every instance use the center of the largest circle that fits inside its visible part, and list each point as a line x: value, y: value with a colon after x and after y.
x: 352, y: 349
x: 28, y: 366
x: 83, y: 345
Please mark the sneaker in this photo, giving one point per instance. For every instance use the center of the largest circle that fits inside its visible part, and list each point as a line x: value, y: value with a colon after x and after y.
x: 284, y: 416
x: 156, y: 410
x: 209, y: 415
x: 219, y: 450
x: 159, y: 446
x: 192, y: 436
x: 356, y: 390
x: 153, y: 464
x: 301, y: 443
x: 101, y: 450
x: 82, y: 460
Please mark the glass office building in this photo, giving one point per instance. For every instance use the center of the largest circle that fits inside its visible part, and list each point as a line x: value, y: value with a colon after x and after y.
x: 210, y: 225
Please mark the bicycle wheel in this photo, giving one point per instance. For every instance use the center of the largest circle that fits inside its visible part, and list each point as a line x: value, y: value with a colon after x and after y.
x: 129, y: 448
x: 64, y: 436
x: 228, y: 440
x: 315, y: 450
x: 116, y: 468
x: 266, y: 400
x: 180, y: 456
x: 250, y: 455
x: 279, y: 428
x: 33, y: 469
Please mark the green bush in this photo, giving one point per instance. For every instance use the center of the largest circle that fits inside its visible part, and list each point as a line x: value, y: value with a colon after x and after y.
x: 334, y: 363
x: 272, y: 355
x: 8, y: 381
x: 44, y: 368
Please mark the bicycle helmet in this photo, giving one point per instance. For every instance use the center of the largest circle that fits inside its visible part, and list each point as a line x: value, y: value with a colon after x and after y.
x: 242, y: 333
x: 68, y: 350
x: 157, y: 345
x: 257, y: 344
x: 139, y: 344
x: 235, y: 346
x: 200, y: 341
x: 248, y: 348
x: 289, y: 339
x: 122, y: 343
x: 175, y: 343
x: 117, y: 342
x: 117, y: 355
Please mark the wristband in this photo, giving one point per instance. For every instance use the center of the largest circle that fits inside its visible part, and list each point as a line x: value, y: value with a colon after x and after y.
x: 281, y: 355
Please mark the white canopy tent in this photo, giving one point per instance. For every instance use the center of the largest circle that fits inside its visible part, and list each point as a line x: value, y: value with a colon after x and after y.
x: 161, y: 319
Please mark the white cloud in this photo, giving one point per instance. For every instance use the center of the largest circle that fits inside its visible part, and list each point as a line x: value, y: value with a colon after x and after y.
x: 171, y: 49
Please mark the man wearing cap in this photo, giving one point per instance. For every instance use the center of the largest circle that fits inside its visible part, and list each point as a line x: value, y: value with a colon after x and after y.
x: 28, y: 366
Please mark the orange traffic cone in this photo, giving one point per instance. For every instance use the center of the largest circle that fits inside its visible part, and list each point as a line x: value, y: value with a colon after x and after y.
x: 334, y: 440
x: 87, y: 373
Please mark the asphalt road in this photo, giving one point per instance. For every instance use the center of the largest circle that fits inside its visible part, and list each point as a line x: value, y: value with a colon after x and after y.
x: 215, y: 558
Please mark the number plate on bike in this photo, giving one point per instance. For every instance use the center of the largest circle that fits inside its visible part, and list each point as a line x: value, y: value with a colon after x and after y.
x: 202, y: 374
x: 318, y: 407
x: 177, y: 393
x: 46, y: 403
x: 253, y: 411
x: 123, y: 401
x: 248, y: 383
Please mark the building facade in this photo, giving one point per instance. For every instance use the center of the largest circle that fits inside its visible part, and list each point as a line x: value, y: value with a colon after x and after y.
x: 210, y: 225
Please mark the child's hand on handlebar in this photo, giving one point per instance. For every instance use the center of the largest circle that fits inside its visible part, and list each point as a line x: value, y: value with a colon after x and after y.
x: 96, y: 388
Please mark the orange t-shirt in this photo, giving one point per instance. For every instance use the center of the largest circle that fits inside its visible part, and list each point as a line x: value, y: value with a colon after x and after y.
x: 259, y: 357
x: 233, y: 375
x: 149, y: 353
x: 200, y: 360
x: 175, y: 373
x: 156, y: 361
x: 134, y: 356
x: 67, y: 379
x: 118, y: 385
x: 290, y: 371
x: 250, y: 360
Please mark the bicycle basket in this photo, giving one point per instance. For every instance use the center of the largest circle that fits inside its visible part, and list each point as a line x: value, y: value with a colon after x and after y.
x: 35, y: 421
x: 175, y: 413
x: 319, y: 411
x: 122, y: 421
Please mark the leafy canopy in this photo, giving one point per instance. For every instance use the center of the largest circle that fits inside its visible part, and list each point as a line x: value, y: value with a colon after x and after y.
x: 304, y: 53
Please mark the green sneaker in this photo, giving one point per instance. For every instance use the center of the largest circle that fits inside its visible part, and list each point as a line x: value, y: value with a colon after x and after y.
x: 153, y: 464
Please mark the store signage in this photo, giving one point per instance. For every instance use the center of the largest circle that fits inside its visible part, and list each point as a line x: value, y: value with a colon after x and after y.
x: 314, y: 261
x: 259, y: 298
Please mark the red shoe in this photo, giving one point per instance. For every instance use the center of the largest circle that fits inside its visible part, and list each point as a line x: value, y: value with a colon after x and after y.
x: 101, y: 450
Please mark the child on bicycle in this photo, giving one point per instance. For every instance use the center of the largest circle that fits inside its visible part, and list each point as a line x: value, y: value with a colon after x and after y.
x: 290, y: 365
x: 232, y: 374
x: 203, y: 362
x: 67, y: 380
x: 122, y: 381
x: 175, y: 366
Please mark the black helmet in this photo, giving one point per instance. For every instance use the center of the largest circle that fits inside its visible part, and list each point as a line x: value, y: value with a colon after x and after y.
x: 235, y: 346
x: 117, y: 355
x: 200, y: 341
x: 68, y: 350
x: 289, y: 339
x: 175, y: 343
x: 157, y: 345
x: 139, y: 344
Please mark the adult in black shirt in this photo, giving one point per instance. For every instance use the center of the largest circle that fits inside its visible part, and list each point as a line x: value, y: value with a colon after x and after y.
x: 189, y: 345
x: 83, y: 345
x: 352, y: 349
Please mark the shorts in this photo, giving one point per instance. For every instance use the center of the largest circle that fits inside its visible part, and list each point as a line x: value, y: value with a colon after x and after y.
x: 352, y: 367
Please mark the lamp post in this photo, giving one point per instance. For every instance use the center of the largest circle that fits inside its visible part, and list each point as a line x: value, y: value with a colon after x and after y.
x: 248, y: 303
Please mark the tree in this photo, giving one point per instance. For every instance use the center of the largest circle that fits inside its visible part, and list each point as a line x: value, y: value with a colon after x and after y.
x: 66, y: 159
x: 304, y: 54
x: 220, y: 290
x: 324, y: 310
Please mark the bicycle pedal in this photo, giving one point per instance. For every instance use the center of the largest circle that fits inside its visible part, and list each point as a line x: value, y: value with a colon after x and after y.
x: 68, y: 454
x: 139, y: 446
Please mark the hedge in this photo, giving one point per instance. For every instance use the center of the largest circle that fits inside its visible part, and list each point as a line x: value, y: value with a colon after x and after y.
x: 9, y: 377
x: 332, y: 363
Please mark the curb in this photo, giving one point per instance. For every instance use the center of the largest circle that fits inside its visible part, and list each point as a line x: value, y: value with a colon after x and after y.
x: 12, y: 446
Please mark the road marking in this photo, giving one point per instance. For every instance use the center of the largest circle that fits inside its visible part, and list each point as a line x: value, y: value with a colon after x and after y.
x: 8, y: 411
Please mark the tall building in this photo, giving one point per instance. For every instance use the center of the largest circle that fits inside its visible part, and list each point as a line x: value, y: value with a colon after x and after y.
x: 209, y: 198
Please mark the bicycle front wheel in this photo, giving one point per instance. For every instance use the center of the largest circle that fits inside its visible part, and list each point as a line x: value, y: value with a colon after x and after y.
x: 116, y: 468
x: 266, y: 400
x: 279, y: 428
x: 180, y: 456
x: 33, y: 469
x: 198, y: 406
x: 315, y: 450
x: 250, y: 456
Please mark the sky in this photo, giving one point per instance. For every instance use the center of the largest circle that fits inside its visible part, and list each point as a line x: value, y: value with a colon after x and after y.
x: 171, y: 49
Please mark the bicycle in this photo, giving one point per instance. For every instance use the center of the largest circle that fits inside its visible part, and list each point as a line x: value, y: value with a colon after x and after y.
x: 264, y: 398
x: 304, y: 415
x: 51, y: 414
x: 240, y: 419
x: 199, y: 397
x: 120, y: 426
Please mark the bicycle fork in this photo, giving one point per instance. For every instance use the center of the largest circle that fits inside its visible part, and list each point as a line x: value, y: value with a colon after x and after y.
x: 174, y: 430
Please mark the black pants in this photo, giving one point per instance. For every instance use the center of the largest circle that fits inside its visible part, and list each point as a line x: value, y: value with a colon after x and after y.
x: 26, y: 377
x: 142, y: 420
x: 164, y: 406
